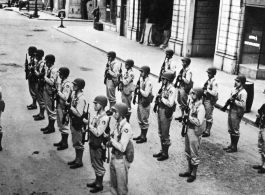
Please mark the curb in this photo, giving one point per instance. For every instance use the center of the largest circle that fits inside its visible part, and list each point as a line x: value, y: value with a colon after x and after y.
x: 218, y: 106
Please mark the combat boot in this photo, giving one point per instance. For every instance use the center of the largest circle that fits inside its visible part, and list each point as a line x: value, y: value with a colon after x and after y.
x: 139, y: 137
x: 64, y: 144
x: 188, y: 172
x: 143, y: 138
x: 78, y: 162
x: 228, y: 147
x: 206, y: 133
x: 93, y: 184
x: 159, y: 154
x: 99, y: 185
x: 234, y: 145
x: 51, y: 128
x: 193, y: 174
x: 60, y: 142
x: 73, y: 162
x: 46, y: 128
x: 33, y: 105
x: 1, y: 136
x: 165, y: 153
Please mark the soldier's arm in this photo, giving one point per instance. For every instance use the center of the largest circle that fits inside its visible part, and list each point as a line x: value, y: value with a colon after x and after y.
x: 122, y: 144
x: 214, y: 90
x: 187, y: 79
x: 99, y: 130
x: 200, y: 116
x: 173, y: 66
x: 241, y: 101
x: 54, y: 75
x: 129, y: 79
x: 66, y: 92
x: 171, y: 98
x: 78, y: 111
x: 115, y: 70
x: 148, y: 89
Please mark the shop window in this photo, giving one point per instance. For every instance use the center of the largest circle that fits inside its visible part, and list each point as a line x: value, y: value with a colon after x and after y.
x: 253, y: 52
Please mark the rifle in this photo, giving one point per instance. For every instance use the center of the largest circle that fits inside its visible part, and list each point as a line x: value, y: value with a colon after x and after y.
x: 27, y: 67
x: 162, y: 70
x: 230, y: 100
x: 41, y: 78
x: 65, y: 119
x: 178, y: 79
x: 185, y: 120
x: 136, y: 90
x: 120, y: 85
x: 106, y: 73
x: 157, y: 98
x: 86, y: 127
x: 107, y: 131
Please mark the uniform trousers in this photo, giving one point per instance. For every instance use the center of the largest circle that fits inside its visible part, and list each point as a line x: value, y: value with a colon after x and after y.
x: 182, y: 98
x: 119, y: 169
x: 143, y: 116
x: 39, y: 95
x: 32, y: 89
x: 97, y: 162
x: 126, y: 99
x: 60, y: 112
x: 234, y: 120
x: 77, y: 136
x: 192, y: 145
x: 261, y: 144
x: 208, y: 111
x: 48, y: 105
x: 111, y: 90
x: 163, y: 127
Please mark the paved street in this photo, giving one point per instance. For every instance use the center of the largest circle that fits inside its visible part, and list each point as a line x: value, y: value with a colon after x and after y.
x: 29, y: 164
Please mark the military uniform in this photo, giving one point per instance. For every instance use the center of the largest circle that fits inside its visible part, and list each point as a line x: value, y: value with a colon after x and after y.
x: 119, y: 166
x: 127, y: 81
x: 32, y: 79
x: 209, y: 101
x: 170, y: 64
x: 165, y: 111
x: 194, y: 132
x: 184, y: 88
x: 236, y: 111
x: 110, y: 86
x: 51, y: 82
x: 99, y: 125
x: 39, y: 85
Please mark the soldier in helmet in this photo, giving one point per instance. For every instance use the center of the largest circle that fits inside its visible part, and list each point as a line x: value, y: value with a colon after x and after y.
x: 166, y: 108
x: 145, y: 99
x: 186, y: 84
x: 39, y: 72
x: 128, y: 86
x: 64, y: 93
x: 111, y: 74
x: 120, y: 162
x: 76, y: 112
x: 236, y: 112
x: 50, y: 78
x: 32, y: 78
x: 194, y: 132
x: 210, y: 98
x: 97, y: 128
x: 170, y: 64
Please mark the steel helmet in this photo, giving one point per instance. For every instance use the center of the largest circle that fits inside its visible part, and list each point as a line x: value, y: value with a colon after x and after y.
x: 198, y: 91
x: 121, y: 108
x: 32, y: 49
x: 102, y: 100
x: 187, y: 60
x: 64, y: 71
x: 211, y: 70
x: 170, y: 52
x: 145, y: 69
x: 80, y: 83
x: 40, y: 52
x: 129, y: 62
x: 112, y: 54
x: 169, y: 75
x: 50, y: 58
x: 241, y: 78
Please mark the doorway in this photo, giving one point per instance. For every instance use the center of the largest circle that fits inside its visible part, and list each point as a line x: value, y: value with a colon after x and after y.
x: 123, y: 18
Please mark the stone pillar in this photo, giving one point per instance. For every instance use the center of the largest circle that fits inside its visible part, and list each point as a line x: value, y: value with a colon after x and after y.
x: 228, y: 36
x: 134, y: 23
x: 178, y: 26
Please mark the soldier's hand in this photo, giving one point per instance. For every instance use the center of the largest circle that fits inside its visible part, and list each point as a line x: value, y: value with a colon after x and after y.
x: 85, y: 121
x: 67, y: 103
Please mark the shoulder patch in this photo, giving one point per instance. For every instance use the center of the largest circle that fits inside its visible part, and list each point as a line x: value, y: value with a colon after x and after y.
x: 126, y: 130
x: 103, y: 122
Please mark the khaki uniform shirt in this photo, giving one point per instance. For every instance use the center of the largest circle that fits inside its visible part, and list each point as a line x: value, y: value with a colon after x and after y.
x: 169, y: 95
x: 99, y: 124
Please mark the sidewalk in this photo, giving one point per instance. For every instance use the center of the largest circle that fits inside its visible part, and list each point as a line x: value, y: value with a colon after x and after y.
x: 147, y: 55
